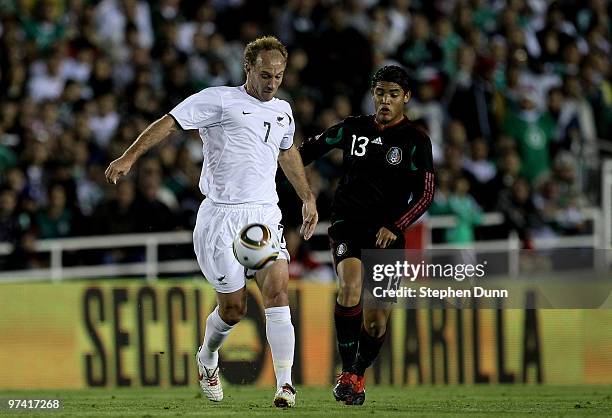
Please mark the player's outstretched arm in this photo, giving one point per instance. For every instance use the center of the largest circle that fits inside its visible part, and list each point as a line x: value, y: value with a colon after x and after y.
x: 291, y: 163
x: 314, y: 147
x: 150, y: 137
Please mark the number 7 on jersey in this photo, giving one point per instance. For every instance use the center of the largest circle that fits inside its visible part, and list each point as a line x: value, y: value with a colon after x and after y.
x: 267, y: 125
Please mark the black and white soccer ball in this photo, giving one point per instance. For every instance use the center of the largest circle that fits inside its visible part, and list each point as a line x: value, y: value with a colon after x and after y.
x: 256, y: 246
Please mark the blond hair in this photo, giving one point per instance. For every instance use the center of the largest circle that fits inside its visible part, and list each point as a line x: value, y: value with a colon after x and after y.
x: 265, y: 43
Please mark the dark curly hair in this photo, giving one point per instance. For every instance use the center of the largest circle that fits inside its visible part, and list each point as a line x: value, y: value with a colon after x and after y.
x: 392, y: 74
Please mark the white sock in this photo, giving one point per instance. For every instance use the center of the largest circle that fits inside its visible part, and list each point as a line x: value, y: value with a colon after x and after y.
x: 281, y: 338
x: 216, y: 332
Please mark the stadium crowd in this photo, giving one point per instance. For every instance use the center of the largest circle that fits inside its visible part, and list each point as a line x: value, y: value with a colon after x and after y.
x: 516, y: 96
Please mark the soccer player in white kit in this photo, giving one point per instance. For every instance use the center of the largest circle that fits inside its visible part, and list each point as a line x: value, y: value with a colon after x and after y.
x: 245, y: 131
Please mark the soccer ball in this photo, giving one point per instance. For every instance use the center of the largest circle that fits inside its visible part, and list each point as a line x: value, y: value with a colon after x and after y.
x: 256, y: 247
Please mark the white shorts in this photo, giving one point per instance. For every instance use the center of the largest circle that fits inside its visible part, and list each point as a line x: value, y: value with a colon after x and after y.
x: 215, y: 229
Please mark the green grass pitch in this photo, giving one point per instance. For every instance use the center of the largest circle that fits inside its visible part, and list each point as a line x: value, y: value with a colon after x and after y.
x: 433, y: 401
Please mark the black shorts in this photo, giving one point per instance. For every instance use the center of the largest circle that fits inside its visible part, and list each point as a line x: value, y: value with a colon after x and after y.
x: 348, y: 238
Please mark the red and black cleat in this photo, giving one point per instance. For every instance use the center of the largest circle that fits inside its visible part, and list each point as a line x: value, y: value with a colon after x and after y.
x: 344, y: 387
x: 350, y: 389
x: 357, y: 391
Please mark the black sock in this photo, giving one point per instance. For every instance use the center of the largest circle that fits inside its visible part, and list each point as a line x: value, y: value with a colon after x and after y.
x: 348, y: 323
x: 369, y: 347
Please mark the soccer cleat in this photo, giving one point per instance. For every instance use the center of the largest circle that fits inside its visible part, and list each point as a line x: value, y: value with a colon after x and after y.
x: 358, y: 391
x: 209, y: 381
x: 285, y: 396
x: 350, y: 389
x: 344, y: 386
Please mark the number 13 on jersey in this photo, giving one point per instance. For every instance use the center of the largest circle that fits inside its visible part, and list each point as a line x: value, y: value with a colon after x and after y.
x: 362, y: 141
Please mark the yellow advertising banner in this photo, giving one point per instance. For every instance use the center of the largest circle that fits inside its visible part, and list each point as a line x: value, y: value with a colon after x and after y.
x: 132, y: 333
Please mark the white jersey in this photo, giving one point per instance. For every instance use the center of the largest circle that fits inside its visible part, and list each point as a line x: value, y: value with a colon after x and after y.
x: 241, y: 140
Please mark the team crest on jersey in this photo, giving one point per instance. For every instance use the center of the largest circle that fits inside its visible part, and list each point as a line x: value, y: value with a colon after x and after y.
x: 279, y: 120
x: 341, y: 249
x: 394, y: 156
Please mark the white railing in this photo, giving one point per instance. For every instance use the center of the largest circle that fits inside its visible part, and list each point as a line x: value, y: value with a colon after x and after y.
x: 151, y: 267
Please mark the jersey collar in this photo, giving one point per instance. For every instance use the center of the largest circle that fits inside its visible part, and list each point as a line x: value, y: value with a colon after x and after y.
x: 242, y: 88
x: 385, y: 127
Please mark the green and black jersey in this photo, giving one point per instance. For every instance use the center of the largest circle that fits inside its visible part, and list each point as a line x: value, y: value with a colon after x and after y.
x: 388, y: 177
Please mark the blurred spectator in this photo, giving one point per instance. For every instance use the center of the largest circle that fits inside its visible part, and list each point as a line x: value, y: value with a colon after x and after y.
x: 90, y: 181
x: 592, y: 13
x: 453, y: 163
x: 152, y: 201
x: 419, y: 50
x: 585, y: 135
x: 602, y: 102
x: 565, y: 118
x: 296, y: 23
x: 449, y: 42
x: 112, y: 17
x: 101, y: 81
x: 105, y: 121
x: 177, y: 84
x: 79, y: 68
x: 334, y: 66
x: 471, y: 100
x: 534, y: 132
x: 69, y: 101
x: 180, y: 168
x: 380, y: 30
x: 55, y: 220
x: 560, y: 198
x: 400, y: 18
x: 8, y: 158
x: 117, y: 215
x: 11, y: 222
x: 456, y: 135
x: 188, y: 31
x: 425, y: 106
x: 44, y: 26
x: 481, y: 169
x: 357, y: 17
x: 509, y: 167
x: 46, y: 126
x: 35, y: 156
x: 49, y: 83
x: 24, y: 255
x: 439, y: 206
x: 467, y: 213
x: 484, y: 15
x: 150, y: 176
x: 520, y: 214
x: 478, y: 164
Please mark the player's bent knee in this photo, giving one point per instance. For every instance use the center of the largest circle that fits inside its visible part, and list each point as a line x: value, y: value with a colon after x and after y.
x: 276, y: 298
x: 232, y: 313
x: 273, y: 285
x: 349, y: 292
x: 375, y: 329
